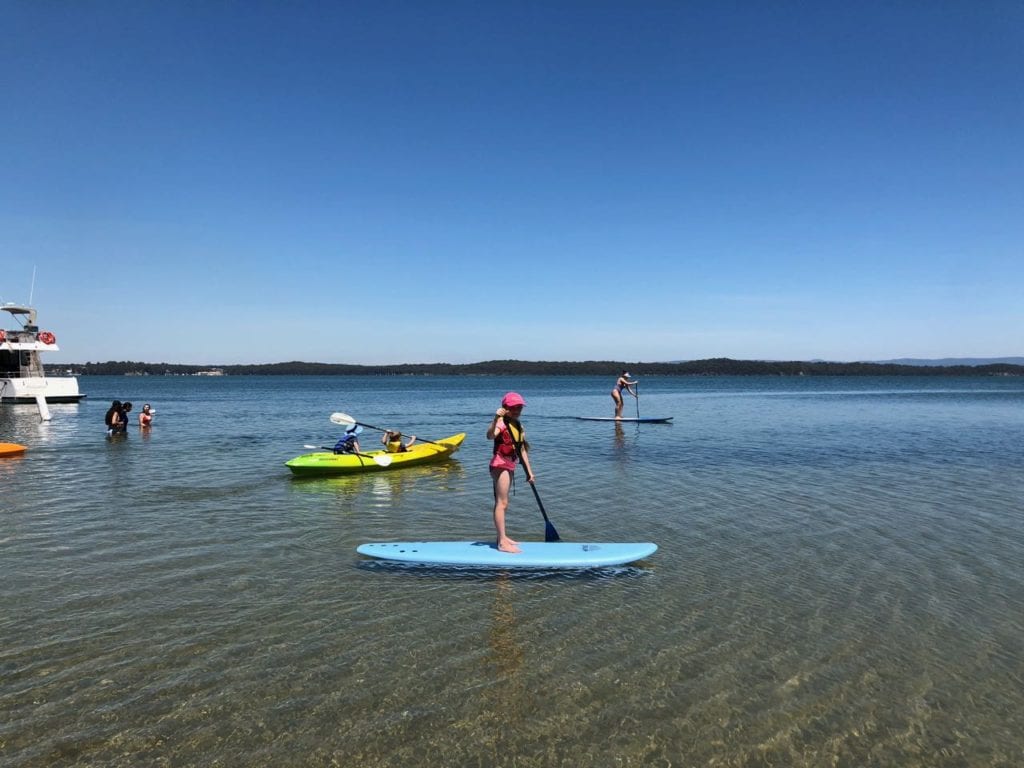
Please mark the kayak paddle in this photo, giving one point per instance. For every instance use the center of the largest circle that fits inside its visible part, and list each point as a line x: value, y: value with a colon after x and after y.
x: 344, y: 420
x: 380, y: 459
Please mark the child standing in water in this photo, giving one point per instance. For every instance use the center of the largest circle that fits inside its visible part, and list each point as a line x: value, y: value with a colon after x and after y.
x: 509, y: 444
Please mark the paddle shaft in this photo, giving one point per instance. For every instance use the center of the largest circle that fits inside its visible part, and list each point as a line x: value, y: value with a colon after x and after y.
x: 381, y: 429
x: 550, y: 534
x: 636, y: 394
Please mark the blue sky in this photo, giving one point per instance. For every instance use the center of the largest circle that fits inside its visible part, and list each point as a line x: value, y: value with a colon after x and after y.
x: 384, y: 182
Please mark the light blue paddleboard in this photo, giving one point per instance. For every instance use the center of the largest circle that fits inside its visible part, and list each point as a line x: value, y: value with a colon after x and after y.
x: 627, y: 420
x: 535, y: 554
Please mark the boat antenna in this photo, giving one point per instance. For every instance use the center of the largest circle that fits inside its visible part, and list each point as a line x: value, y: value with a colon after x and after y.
x: 32, y: 289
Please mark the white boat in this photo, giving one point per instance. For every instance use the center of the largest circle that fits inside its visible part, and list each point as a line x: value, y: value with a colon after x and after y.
x: 22, y: 379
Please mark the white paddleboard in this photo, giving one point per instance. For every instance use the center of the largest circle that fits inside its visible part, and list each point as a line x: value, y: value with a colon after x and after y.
x: 485, y: 554
x: 627, y: 420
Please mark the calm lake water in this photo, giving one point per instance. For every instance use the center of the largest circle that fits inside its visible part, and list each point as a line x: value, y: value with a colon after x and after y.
x: 840, y: 580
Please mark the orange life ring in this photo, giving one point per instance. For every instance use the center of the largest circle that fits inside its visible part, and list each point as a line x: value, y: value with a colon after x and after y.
x: 47, y: 338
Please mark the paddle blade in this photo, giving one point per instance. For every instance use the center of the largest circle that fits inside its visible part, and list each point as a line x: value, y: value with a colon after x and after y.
x: 550, y: 534
x: 382, y: 460
x: 342, y: 418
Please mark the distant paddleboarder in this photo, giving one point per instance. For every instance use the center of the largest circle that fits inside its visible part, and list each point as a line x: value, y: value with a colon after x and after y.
x: 624, y: 382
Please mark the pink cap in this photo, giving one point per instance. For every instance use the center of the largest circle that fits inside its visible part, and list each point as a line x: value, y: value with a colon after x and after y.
x: 512, y: 399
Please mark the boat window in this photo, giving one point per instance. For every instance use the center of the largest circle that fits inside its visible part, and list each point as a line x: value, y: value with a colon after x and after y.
x: 8, y: 362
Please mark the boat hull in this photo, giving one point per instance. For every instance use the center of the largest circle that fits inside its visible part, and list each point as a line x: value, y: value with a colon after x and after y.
x: 56, y: 389
x: 326, y: 463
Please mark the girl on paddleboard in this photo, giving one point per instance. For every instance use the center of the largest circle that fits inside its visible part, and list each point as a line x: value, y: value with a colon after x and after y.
x: 623, y: 383
x: 509, y: 444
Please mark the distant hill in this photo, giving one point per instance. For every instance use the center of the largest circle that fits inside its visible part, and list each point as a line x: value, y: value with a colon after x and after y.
x: 942, y: 362
x: 951, y: 361
x: 713, y: 367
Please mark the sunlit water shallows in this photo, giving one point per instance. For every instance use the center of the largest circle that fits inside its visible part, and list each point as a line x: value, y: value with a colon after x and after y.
x: 840, y: 579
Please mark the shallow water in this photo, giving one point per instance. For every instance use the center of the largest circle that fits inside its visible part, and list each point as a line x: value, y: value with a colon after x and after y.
x: 839, y: 579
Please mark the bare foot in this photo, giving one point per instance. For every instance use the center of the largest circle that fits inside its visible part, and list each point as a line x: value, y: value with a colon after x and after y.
x: 507, y: 545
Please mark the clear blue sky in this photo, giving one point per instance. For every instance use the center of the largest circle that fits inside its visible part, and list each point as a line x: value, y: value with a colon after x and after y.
x: 384, y: 182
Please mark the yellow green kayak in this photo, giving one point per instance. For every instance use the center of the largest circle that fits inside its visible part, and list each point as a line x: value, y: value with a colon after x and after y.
x: 327, y: 463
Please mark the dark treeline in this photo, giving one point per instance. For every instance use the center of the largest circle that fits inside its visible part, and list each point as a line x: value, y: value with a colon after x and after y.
x: 713, y: 367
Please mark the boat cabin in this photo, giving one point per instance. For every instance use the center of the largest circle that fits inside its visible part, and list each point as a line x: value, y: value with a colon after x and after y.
x: 19, y: 349
x: 22, y: 376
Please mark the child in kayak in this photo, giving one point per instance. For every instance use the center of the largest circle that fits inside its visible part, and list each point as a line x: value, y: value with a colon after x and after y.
x: 393, y: 441
x: 349, y: 442
x: 509, y: 445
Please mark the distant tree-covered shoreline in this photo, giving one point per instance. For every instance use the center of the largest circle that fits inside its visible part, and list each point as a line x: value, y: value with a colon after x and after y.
x: 711, y: 367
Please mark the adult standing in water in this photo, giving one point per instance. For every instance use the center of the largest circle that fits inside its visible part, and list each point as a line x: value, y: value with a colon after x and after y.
x: 623, y: 383
x: 114, y: 417
x: 126, y: 408
x: 146, y: 417
x: 509, y: 444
